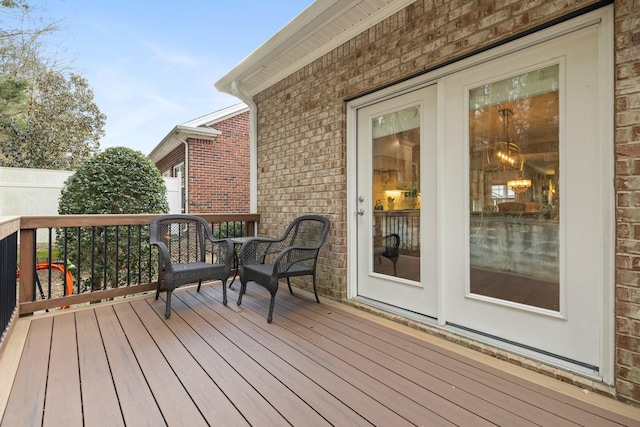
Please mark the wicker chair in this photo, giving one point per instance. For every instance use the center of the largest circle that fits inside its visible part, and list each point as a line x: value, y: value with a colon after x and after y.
x: 183, y: 243
x: 265, y: 261
x: 391, y: 250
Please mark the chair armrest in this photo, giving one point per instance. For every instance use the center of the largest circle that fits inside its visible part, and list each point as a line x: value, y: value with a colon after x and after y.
x: 295, y: 255
x: 163, y: 251
x: 255, y: 250
x: 224, y: 247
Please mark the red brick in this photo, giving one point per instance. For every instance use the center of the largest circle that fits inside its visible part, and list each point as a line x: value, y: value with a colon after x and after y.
x: 218, y: 169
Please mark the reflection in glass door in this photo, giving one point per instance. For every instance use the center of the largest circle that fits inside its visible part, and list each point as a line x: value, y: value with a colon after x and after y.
x: 514, y: 192
x: 396, y: 191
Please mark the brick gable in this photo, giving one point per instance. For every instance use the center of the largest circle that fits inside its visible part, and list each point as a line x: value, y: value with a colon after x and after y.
x: 219, y: 169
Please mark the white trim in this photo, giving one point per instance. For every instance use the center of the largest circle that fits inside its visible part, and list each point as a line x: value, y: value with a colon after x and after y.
x: 177, y: 136
x: 296, y: 40
x: 556, y: 31
x: 352, y: 202
x: 253, y: 145
x: 607, y: 132
x: 217, y: 116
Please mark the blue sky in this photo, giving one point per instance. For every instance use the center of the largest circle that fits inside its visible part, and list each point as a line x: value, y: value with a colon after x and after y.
x: 152, y: 64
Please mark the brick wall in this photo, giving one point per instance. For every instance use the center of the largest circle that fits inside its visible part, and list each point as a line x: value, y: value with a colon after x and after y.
x: 219, y: 169
x: 301, y: 164
x: 627, y: 140
x: 168, y: 162
x: 301, y: 125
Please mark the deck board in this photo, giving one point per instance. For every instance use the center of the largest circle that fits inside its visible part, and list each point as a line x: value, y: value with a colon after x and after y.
x: 99, y: 398
x: 63, y: 380
x: 422, y: 366
x: 178, y: 409
x: 463, y: 401
x: 315, y: 365
x: 349, y: 365
x: 259, y: 348
x: 201, y: 388
x: 222, y: 360
x: 272, y: 396
x: 25, y: 405
x: 551, y: 401
x: 555, y: 402
x: 138, y: 406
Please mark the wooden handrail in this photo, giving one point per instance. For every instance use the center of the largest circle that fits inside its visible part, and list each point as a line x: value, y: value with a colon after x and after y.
x: 28, y: 226
x: 33, y: 222
x: 9, y: 225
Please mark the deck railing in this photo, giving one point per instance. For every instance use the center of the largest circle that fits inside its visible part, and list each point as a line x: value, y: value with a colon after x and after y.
x: 89, y: 258
x: 8, y: 260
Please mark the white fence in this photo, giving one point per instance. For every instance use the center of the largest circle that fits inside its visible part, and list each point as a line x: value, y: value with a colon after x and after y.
x: 36, y: 191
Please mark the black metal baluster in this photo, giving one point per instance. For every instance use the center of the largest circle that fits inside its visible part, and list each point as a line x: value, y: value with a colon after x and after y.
x: 117, y: 257
x: 104, y: 258
x: 93, y: 257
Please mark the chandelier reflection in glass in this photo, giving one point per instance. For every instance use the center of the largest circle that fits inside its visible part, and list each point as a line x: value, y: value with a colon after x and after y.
x: 519, y: 185
x: 507, y: 155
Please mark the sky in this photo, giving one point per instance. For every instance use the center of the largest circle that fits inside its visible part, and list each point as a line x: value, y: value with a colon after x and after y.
x: 152, y: 64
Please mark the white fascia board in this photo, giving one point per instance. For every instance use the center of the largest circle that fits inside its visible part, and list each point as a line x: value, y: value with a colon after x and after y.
x: 218, y: 116
x: 320, y: 14
x: 183, y: 132
x: 177, y: 136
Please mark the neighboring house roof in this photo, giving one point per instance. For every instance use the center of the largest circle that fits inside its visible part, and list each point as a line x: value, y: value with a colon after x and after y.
x: 320, y: 28
x: 197, y: 128
x: 218, y: 116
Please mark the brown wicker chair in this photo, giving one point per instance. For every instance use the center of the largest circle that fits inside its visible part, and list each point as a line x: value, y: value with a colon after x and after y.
x: 183, y: 243
x: 265, y: 261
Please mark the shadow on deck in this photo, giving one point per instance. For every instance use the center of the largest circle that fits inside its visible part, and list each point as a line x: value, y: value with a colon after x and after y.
x: 316, y: 364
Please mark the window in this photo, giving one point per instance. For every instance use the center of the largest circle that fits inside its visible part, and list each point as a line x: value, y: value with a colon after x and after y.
x: 514, y: 169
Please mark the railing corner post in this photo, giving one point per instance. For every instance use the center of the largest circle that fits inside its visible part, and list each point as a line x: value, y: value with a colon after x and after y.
x: 27, y: 262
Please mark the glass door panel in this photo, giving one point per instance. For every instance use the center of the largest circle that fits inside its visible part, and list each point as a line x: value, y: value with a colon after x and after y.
x: 514, y: 197
x: 396, y: 191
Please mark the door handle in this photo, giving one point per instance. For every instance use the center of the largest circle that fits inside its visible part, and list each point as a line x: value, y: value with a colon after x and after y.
x: 360, y: 212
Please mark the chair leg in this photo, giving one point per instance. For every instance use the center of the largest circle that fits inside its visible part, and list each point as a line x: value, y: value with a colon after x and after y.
x: 160, y: 275
x: 290, y: 288
x: 224, y: 292
x: 167, y: 312
x: 315, y: 290
x: 199, y: 283
x: 271, y: 305
x: 243, y: 288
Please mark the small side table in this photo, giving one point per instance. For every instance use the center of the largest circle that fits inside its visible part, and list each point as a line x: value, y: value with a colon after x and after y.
x: 237, y: 243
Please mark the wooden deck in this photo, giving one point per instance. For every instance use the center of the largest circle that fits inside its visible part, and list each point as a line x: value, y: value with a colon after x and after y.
x: 315, y: 365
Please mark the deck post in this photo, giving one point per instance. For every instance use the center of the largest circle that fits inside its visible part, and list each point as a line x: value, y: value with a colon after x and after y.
x: 27, y: 264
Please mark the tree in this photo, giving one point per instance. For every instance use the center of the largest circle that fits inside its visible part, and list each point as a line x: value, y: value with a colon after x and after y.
x: 118, y: 180
x: 48, y: 118
x: 61, y: 128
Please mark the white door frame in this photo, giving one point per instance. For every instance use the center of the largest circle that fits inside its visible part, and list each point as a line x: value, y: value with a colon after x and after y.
x: 417, y: 296
x: 602, y: 17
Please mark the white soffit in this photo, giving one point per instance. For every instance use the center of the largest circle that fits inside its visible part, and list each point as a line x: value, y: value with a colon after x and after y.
x: 320, y: 28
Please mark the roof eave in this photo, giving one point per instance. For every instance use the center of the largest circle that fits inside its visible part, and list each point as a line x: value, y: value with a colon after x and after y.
x: 317, y: 16
x: 177, y: 136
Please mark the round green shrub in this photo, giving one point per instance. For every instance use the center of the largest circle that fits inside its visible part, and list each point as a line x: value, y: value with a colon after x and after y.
x: 118, y: 180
